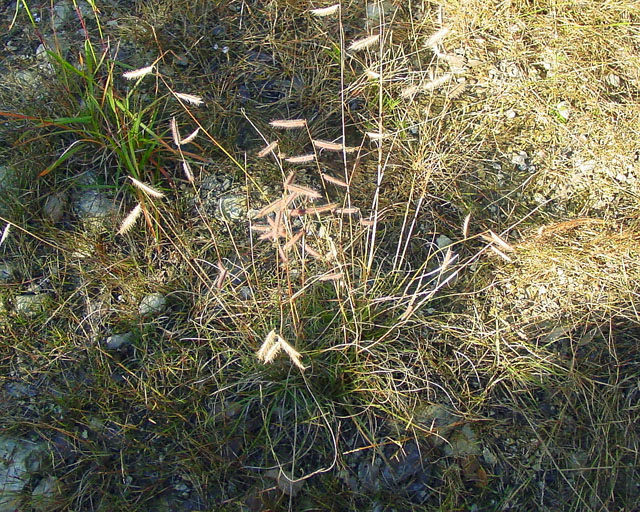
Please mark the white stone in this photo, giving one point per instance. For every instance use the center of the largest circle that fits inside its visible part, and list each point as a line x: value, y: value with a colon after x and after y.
x: 153, y: 304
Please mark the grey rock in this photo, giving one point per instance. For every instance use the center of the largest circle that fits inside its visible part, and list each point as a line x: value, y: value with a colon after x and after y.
x: 54, y: 207
x: 62, y: 13
x: 439, y: 418
x: 7, y: 272
x: 153, y: 304
x: 31, y: 305
x: 118, y: 341
x: 443, y: 241
x: 20, y: 390
x: 233, y: 207
x: 8, y: 188
x: 44, y: 494
x: 93, y: 206
x: 19, y: 459
x: 462, y: 443
x: 245, y: 292
x: 402, y: 465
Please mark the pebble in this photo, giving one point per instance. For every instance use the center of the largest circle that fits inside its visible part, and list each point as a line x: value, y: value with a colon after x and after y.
x: 92, y: 205
x: 31, y: 305
x: 443, y: 241
x: 19, y: 459
x: 233, y: 207
x: 118, y: 341
x: 7, y: 272
x: 43, y: 494
x: 153, y: 304
x: 53, y: 207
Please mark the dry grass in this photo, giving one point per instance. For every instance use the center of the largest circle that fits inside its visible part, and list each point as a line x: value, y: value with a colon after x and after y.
x: 442, y: 211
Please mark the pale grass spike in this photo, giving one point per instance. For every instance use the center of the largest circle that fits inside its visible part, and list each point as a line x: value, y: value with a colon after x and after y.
x: 267, y: 149
x: 326, y: 11
x: 137, y: 73
x: 192, y: 99
x: 287, y: 124
x: 364, y: 43
x: 146, y: 188
x: 130, y: 220
x: 190, y: 137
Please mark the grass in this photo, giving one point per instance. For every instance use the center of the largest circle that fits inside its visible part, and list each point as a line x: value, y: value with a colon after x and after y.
x: 469, y: 292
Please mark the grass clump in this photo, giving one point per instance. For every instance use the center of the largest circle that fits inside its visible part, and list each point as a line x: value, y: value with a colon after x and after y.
x: 384, y: 261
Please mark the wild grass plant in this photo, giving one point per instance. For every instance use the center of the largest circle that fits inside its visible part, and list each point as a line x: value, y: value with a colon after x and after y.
x: 402, y: 288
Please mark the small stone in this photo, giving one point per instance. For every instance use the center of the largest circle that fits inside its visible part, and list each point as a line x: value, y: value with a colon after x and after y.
x: 462, y: 443
x: 43, y: 495
x: 613, y: 80
x: 233, y: 207
x: 62, y: 12
x: 489, y: 457
x: 53, y: 207
x: 7, y: 272
x: 18, y: 460
x: 375, y: 10
x: 92, y: 205
x: 587, y: 166
x: 118, y: 341
x: 153, y: 304
x: 31, y: 305
x: 520, y: 160
x: 510, y: 114
x: 246, y: 293
x: 443, y: 242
